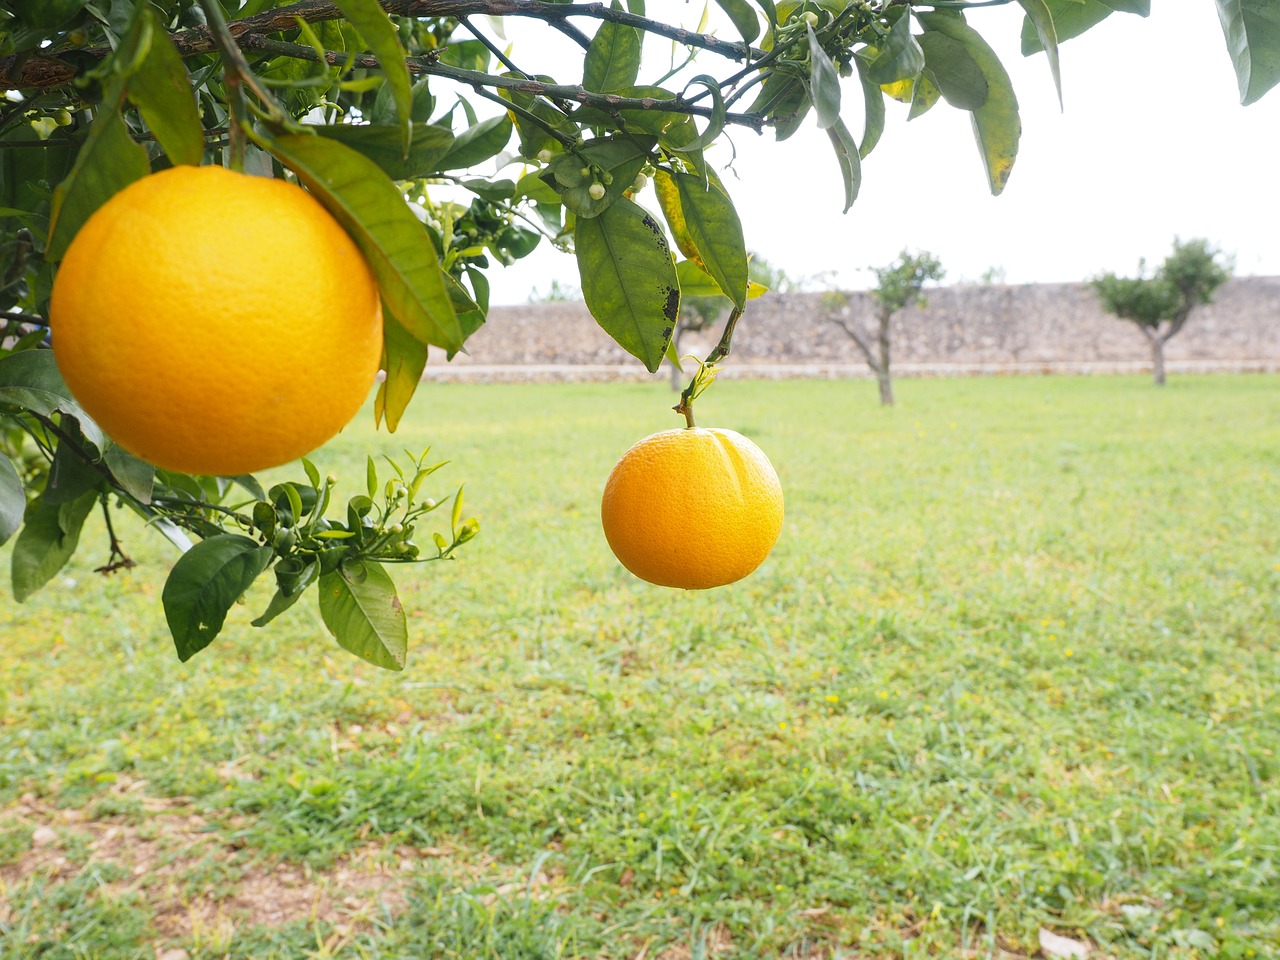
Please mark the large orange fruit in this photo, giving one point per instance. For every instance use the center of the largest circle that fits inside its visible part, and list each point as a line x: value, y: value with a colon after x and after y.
x: 216, y: 323
x: 692, y: 508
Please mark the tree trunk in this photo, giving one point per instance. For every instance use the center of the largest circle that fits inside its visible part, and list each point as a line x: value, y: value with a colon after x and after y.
x: 1157, y: 360
x: 886, y: 387
x: 882, y: 368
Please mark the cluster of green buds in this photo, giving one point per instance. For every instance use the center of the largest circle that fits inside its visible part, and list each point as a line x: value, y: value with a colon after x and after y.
x: 378, y: 525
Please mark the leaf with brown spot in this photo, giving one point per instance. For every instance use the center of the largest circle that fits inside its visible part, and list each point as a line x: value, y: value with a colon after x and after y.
x: 628, y: 279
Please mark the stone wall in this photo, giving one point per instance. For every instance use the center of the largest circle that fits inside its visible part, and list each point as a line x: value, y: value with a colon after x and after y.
x: 961, y: 329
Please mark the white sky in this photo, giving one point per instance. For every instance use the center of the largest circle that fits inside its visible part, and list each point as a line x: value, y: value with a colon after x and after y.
x: 1152, y: 144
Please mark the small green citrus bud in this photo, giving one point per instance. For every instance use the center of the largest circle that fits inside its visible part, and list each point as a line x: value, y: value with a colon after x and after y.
x: 811, y: 18
x: 544, y: 156
x: 639, y: 183
x: 596, y: 190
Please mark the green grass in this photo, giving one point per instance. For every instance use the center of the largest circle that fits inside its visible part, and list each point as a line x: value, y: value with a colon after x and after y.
x: 1012, y: 665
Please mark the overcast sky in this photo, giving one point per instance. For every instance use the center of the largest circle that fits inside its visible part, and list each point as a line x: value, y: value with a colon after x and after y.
x: 1152, y: 143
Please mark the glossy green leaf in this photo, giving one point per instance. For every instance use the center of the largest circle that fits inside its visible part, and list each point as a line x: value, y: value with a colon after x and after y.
x: 136, y: 476
x: 628, y: 279
x: 405, y: 359
x: 477, y: 143
x: 954, y: 71
x: 293, y: 576
x: 612, y: 61
x: 72, y: 473
x: 1041, y: 20
x: 996, y: 124
x: 824, y: 83
x: 716, y: 232
x: 359, y: 605
x: 744, y: 18
x: 13, y: 500
x: 30, y: 380
x: 373, y: 211
x: 900, y: 56
x: 377, y: 30
x: 384, y: 146
x: 1073, y: 17
x: 161, y: 89
x: 48, y: 539
x: 203, y: 585
x: 1252, y: 30
x: 107, y: 163
x: 846, y: 149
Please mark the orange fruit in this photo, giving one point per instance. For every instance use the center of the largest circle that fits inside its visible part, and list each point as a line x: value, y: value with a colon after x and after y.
x: 692, y: 508
x: 216, y: 323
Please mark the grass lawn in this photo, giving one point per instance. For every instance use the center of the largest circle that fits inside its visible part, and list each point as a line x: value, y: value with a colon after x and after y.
x: 1012, y: 666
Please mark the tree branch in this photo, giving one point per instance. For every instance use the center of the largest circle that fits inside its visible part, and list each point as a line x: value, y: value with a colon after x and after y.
x: 473, y: 78
x: 41, y: 71
x: 862, y: 342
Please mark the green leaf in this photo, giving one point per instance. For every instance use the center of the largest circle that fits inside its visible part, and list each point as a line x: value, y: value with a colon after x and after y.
x: 377, y: 30
x: 621, y: 157
x: 161, y: 89
x: 1073, y: 17
x: 203, y: 585
x: 612, y: 60
x: 374, y: 212
x: 71, y: 474
x: 850, y: 163
x: 996, y: 123
x: 477, y: 144
x: 48, y: 539
x: 744, y: 18
x: 405, y: 359
x: 13, y: 500
x: 696, y: 282
x: 873, y: 109
x: 716, y: 232
x: 456, y: 517
x: 1252, y: 29
x: 383, y: 145
x: 359, y: 605
x: 924, y: 94
x: 716, y: 124
x: 137, y: 477
x: 628, y: 279
x: 30, y: 381
x: 954, y: 71
x: 1041, y: 20
x: 824, y: 83
x: 900, y: 56
x: 107, y: 163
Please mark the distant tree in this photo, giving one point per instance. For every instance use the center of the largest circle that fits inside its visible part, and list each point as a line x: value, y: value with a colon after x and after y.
x: 897, y: 284
x: 556, y: 293
x: 1159, y: 305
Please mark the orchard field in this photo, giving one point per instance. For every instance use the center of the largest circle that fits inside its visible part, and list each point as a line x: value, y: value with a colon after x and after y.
x: 1011, y: 668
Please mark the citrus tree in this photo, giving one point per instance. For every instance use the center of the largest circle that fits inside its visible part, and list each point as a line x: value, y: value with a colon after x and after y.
x: 417, y: 130
x: 1160, y: 305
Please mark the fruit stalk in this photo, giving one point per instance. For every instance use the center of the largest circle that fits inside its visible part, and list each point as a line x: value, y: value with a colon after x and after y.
x: 707, y: 369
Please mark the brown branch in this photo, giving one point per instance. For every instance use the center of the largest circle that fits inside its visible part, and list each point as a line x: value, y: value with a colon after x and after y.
x: 473, y: 78
x: 41, y: 71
